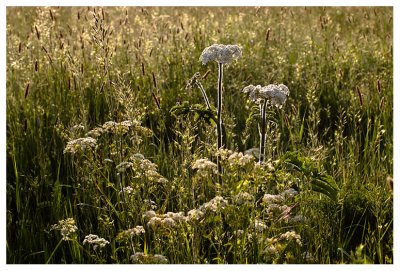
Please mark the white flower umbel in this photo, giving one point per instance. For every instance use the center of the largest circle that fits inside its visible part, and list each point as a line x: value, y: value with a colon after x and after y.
x: 95, y: 241
x: 67, y: 227
x: 222, y: 54
x: 275, y: 95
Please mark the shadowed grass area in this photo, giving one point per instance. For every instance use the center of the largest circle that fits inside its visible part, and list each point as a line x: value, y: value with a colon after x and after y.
x: 115, y: 78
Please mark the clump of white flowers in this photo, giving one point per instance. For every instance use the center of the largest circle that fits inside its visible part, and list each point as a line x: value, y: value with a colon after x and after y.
x: 259, y: 225
x: 80, y: 145
x: 165, y: 221
x: 291, y: 236
x: 195, y: 215
x: 237, y: 158
x: 130, y: 233
x: 242, y: 198
x: 220, y: 53
x: 204, y: 167
x: 95, y: 132
x: 145, y: 168
x: 273, y: 94
x: 216, y: 204
x: 141, y: 258
x: 118, y: 128
x: 128, y: 190
x: 94, y: 240
x: 67, y: 227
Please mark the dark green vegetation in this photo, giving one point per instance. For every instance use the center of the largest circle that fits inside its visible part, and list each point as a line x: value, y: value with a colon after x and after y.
x: 70, y: 70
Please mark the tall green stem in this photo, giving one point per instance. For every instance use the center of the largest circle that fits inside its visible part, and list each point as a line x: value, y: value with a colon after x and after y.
x: 219, y: 120
x: 262, y: 134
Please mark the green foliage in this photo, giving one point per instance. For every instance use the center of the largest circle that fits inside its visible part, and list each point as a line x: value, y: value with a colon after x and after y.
x: 320, y: 182
x: 320, y: 197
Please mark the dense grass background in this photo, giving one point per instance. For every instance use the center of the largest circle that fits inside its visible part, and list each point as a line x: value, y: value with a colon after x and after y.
x: 70, y: 70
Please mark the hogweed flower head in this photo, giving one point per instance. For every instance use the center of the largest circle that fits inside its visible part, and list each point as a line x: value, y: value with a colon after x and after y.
x: 216, y: 204
x: 141, y: 258
x: 274, y: 94
x: 127, y: 234
x: 223, y: 54
x: 237, y: 158
x: 195, y: 215
x: 291, y: 236
x: 66, y: 227
x: 204, y: 166
x: 242, y: 198
x: 95, y: 241
x: 80, y: 144
x: 253, y: 92
x: 118, y: 128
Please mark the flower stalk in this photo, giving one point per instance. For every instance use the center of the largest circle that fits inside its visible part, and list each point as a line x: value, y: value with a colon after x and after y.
x: 222, y: 54
x: 274, y: 95
x: 263, y: 109
x: 219, y: 119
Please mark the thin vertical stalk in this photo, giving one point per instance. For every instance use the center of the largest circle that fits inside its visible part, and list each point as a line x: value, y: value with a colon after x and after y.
x: 200, y: 86
x: 262, y: 134
x: 219, y: 120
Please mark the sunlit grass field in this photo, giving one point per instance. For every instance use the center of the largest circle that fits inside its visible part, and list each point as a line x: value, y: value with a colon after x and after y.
x: 112, y: 153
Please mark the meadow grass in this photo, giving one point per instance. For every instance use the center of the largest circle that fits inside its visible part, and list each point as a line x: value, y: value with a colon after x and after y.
x: 114, y: 80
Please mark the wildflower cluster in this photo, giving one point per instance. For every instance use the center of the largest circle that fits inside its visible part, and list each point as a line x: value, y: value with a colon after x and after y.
x: 220, y: 53
x: 80, y: 145
x: 141, y: 258
x: 67, y: 227
x: 130, y: 233
x: 165, y: 221
x: 118, y: 128
x: 216, y: 204
x: 204, y: 167
x: 274, y: 94
x: 145, y: 168
x: 243, y: 198
x: 127, y: 190
x: 238, y: 159
x: 94, y: 240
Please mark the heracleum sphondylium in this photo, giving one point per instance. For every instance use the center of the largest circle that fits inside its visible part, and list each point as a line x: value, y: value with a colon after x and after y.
x: 222, y: 54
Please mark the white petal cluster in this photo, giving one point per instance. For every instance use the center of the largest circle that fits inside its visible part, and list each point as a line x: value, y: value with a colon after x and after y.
x: 127, y: 234
x: 291, y: 236
x: 242, y: 197
x: 220, y: 53
x: 141, y: 258
x: 66, y: 227
x: 216, y: 204
x: 274, y: 94
x: 237, y: 158
x: 118, y: 128
x: 144, y: 168
x: 95, y: 132
x: 253, y: 92
x: 80, y: 144
x: 259, y: 225
x: 195, y: 215
x: 168, y: 220
x: 95, y: 241
x: 204, y: 166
